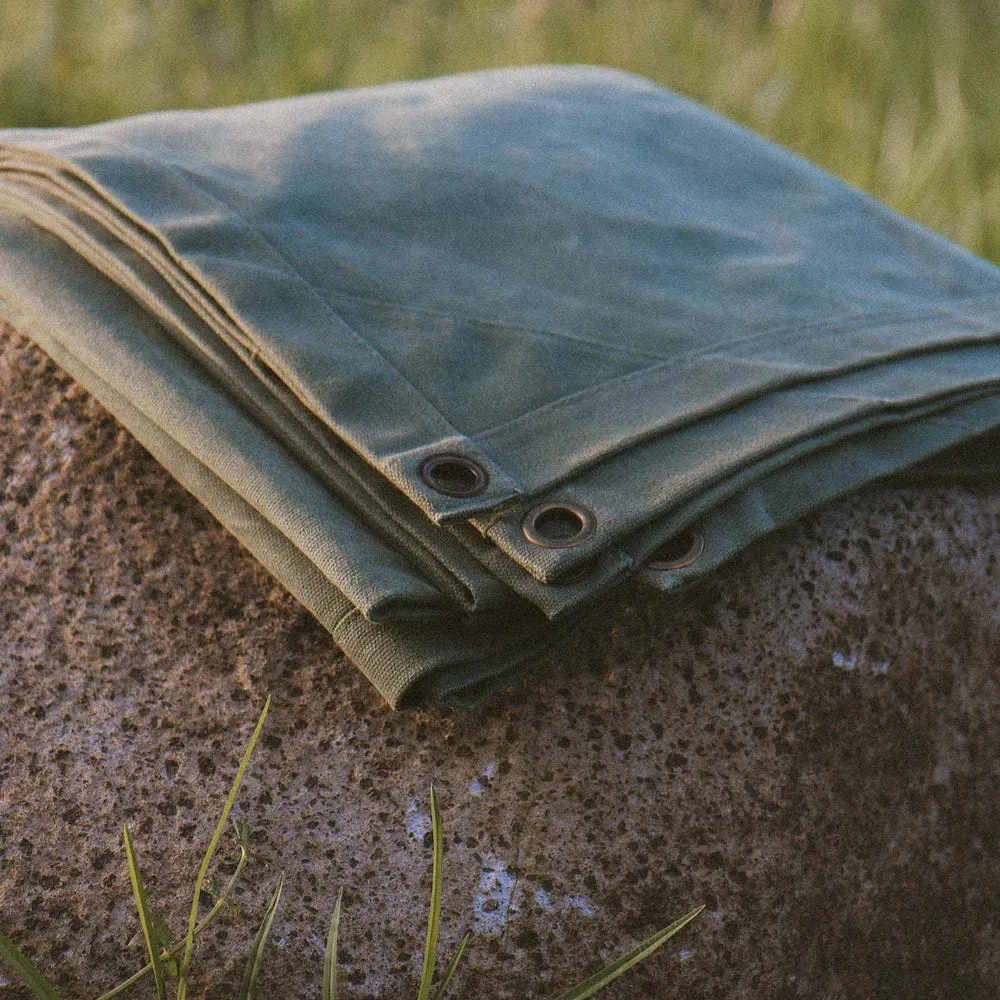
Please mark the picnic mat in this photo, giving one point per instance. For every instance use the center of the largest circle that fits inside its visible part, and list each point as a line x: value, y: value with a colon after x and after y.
x: 455, y: 358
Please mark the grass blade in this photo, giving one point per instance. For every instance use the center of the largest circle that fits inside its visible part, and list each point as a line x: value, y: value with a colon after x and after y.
x: 185, y: 965
x: 330, y: 958
x: 452, y: 967
x: 145, y: 918
x: 434, y: 917
x: 18, y: 962
x: 249, y: 983
x: 175, y: 950
x: 621, y: 965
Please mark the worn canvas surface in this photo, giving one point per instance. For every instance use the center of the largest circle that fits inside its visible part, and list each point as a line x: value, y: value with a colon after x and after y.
x: 454, y: 358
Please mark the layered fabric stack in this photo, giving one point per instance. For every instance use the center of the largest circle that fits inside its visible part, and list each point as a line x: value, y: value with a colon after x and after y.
x: 456, y: 358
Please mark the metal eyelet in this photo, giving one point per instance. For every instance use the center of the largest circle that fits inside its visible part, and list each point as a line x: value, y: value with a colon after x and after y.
x: 680, y: 551
x: 557, y: 525
x: 454, y: 475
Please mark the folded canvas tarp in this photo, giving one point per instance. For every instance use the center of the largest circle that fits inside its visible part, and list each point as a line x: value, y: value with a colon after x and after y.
x: 455, y: 358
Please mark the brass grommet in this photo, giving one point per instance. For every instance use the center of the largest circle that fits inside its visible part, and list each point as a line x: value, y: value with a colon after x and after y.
x: 678, y: 552
x: 557, y: 525
x: 454, y: 475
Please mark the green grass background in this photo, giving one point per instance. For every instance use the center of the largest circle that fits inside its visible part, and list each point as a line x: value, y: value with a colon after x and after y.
x: 900, y: 97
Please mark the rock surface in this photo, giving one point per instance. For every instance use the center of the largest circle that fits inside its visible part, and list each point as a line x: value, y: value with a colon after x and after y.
x: 807, y: 744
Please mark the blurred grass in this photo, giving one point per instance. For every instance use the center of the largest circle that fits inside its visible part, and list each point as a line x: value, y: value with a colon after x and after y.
x: 900, y: 97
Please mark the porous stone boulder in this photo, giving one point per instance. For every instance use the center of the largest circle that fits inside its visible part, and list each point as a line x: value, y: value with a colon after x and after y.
x: 807, y: 744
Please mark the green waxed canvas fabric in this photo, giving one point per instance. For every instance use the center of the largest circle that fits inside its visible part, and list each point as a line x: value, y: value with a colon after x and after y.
x: 633, y: 336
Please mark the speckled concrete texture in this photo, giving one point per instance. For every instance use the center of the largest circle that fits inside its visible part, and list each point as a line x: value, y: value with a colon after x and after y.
x: 808, y: 744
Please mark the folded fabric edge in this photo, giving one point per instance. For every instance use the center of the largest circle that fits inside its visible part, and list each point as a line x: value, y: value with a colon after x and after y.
x: 383, y: 651
x: 939, y: 447
x: 461, y: 662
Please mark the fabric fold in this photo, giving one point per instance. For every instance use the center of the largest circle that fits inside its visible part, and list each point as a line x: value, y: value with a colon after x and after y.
x: 456, y: 358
